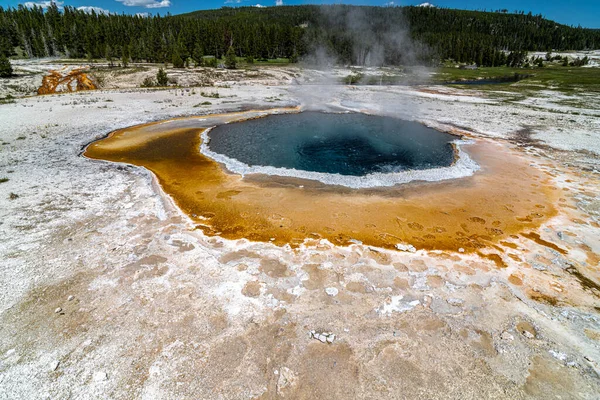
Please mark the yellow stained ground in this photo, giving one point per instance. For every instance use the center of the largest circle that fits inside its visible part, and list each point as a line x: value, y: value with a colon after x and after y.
x: 506, y: 197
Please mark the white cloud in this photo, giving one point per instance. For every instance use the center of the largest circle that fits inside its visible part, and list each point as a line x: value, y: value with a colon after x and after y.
x: 233, y: 1
x: 426, y: 5
x: 143, y: 15
x: 278, y: 2
x: 146, y: 3
x: 97, y: 10
x: 59, y: 4
x: 43, y: 4
x: 258, y: 6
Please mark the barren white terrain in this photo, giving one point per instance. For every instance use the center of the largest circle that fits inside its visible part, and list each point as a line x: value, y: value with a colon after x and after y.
x: 108, y: 291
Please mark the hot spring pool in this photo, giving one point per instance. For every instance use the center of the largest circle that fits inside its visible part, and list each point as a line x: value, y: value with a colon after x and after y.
x: 346, y: 144
x: 355, y: 150
x: 507, y: 197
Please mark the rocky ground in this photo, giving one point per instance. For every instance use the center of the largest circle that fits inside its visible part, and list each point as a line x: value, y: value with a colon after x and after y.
x: 107, y: 290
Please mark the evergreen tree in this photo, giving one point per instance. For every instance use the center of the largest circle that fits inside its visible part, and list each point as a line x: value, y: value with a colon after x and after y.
x: 211, y: 62
x: 6, y: 70
x: 539, y: 62
x: 161, y: 78
x: 230, y: 58
x: 198, y: 54
x: 108, y: 56
x: 177, y: 60
x: 485, y: 38
x: 125, y: 57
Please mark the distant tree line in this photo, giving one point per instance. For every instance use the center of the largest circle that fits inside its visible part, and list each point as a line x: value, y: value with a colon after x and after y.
x: 348, y: 34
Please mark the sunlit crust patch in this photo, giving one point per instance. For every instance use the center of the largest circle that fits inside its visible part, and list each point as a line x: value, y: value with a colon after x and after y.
x: 506, y: 197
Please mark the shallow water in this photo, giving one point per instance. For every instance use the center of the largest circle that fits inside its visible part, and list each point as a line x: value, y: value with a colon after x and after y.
x: 346, y: 144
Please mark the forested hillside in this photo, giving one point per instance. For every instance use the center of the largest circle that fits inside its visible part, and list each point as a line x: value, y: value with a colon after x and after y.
x: 346, y: 34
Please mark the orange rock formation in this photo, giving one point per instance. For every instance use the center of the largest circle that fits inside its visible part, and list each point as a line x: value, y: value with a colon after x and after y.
x: 73, y: 81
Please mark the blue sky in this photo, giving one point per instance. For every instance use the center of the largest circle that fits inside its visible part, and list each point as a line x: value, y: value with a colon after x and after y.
x: 576, y: 12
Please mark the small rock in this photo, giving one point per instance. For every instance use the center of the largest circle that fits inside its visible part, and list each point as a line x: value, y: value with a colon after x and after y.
x: 71, y: 298
x: 54, y: 365
x: 528, y: 334
x: 58, y: 310
x: 331, y: 291
x: 100, y: 376
x: 558, y: 355
x: 427, y: 300
x: 406, y: 247
x: 287, y: 377
x: 507, y: 336
x: 560, y: 235
x: 461, y: 250
x: 455, y: 302
x: 325, y: 337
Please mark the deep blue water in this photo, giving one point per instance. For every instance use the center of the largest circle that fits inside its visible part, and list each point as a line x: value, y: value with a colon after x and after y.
x: 347, y: 144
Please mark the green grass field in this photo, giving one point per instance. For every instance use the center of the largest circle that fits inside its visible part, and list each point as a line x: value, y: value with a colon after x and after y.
x: 556, y: 77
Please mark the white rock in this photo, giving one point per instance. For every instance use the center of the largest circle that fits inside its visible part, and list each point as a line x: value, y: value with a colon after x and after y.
x: 54, y: 365
x: 100, y: 376
x: 455, y: 302
x: 528, y: 335
x: 323, y: 337
x: 395, y: 304
x: 406, y: 247
x: 58, y: 310
x: 331, y: 291
x: 71, y: 298
x: 558, y: 355
x: 287, y: 377
x: 507, y: 336
x: 461, y: 250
